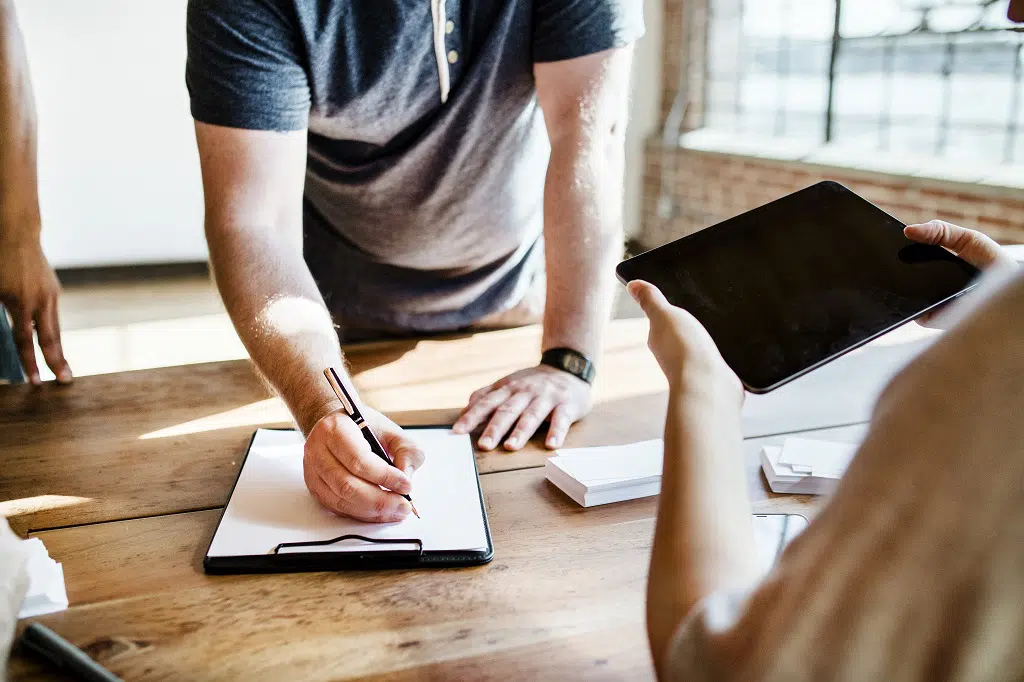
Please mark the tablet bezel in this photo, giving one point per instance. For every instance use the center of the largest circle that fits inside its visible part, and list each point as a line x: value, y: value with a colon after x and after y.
x: 752, y: 388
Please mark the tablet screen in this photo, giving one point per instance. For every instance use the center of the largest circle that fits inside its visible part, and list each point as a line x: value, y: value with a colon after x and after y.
x: 801, y: 280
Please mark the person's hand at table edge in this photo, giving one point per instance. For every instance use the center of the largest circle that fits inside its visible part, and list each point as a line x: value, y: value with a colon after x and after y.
x: 684, y: 350
x: 977, y: 248
x: 345, y: 476
x: 30, y: 291
x: 28, y: 287
x: 521, y: 402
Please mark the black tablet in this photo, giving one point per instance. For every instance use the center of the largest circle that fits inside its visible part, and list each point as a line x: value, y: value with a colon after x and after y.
x: 798, y: 282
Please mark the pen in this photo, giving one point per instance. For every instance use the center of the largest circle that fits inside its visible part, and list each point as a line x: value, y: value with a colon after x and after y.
x: 44, y: 642
x: 352, y: 410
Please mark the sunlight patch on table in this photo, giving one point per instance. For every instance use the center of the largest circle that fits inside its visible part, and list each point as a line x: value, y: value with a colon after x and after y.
x: 148, y: 345
x: 39, y: 503
x: 260, y: 413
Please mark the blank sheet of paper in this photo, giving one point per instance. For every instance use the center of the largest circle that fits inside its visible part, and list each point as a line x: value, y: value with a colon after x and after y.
x: 817, y: 457
x: 271, y: 505
x: 611, y: 465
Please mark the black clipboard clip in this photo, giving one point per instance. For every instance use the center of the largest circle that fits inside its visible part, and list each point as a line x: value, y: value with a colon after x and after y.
x: 412, y: 553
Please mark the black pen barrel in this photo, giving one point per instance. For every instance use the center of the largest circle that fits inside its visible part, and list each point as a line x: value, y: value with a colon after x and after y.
x: 62, y: 654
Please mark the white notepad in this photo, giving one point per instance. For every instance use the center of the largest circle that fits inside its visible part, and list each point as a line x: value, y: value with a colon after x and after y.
x: 605, y: 474
x: 805, y: 466
x: 270, y: 504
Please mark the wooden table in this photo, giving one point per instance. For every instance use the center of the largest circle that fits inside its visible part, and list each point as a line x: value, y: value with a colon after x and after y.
x: 123, y: 477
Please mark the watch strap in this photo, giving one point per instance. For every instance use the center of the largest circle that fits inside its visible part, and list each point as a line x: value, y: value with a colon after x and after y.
x: 571, y: 361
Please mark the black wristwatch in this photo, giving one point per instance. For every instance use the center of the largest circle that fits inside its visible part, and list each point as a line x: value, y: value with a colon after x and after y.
x: 568, y: 360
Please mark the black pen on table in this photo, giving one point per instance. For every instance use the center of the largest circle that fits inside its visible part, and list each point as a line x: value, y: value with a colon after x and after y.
x: 352, y: 410
x: 44, y: 642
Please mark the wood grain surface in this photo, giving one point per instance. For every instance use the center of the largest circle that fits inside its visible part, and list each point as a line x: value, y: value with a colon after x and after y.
x: 561, y: 574
x: 123, y: 477
x: 168, y: 440
x: 563, y: 598
x: 165, y: 552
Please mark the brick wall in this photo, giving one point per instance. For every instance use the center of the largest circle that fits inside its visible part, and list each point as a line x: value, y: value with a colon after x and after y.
x: 709, y: 187
x: 675, y: 32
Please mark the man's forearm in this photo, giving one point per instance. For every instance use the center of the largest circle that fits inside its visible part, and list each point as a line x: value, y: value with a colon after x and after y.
x: 279, y: 315
x: 703, y: 539
x: 583, y: 240
x: 19, y: 203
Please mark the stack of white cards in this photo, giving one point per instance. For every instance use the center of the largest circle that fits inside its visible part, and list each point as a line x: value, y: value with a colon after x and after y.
x: 804, y: 466
x: 600, y: 475
x: 46, y: 592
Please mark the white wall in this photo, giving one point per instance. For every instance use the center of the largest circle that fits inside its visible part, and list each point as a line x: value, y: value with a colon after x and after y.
x: 645, y: 113
x: 119, y: 173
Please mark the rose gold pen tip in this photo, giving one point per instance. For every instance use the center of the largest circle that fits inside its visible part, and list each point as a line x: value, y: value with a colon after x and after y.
x: 414, y: 510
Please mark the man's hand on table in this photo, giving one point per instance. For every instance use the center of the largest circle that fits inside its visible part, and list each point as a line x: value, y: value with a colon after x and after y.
x: 346, y: 477
x: 30, y: 291
x: 521, y: 402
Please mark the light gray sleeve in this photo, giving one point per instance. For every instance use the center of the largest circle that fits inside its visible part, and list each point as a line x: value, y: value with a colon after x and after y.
x: 691, y: 656
x: 13, y: 585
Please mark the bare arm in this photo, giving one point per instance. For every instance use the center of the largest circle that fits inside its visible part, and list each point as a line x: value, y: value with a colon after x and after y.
x: 253, y: 183
x: 585, y: 104
x: 702, y: 541
x: 19, y: 205
x: 28, y: 286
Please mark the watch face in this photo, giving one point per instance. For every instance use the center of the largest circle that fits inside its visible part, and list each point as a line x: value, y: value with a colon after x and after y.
x: 569, y: 361
x: 574, y: 364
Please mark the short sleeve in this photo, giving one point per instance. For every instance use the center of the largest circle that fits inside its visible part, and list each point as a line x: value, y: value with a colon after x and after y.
x: 245, y: 65
x: 566, y: 29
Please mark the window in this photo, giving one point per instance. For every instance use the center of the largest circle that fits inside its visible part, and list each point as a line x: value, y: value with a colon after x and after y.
x: 937, y: 78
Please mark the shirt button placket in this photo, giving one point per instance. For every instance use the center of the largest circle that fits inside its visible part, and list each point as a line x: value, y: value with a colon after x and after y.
x: 452, y: 41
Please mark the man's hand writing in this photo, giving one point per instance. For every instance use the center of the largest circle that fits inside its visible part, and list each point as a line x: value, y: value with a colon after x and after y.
x: 521, y: 402
x: 346, y: 477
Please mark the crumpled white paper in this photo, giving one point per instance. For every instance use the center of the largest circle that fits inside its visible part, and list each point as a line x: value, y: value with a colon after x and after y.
x: 13, y: 586
x: 46, y: 590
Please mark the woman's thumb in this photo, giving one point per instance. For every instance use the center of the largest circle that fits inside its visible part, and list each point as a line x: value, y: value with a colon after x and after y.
x: 647, y: 296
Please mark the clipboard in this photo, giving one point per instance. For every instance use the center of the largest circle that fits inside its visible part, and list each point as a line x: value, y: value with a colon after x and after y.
x: 272, y: 524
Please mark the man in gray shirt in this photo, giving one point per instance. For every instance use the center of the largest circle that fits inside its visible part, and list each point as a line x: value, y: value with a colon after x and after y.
x: 406, y: 167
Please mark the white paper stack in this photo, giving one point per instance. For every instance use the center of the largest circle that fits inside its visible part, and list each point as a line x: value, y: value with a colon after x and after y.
x: 46, y: 591
x: 600, y: 475
x: 804, y: 466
